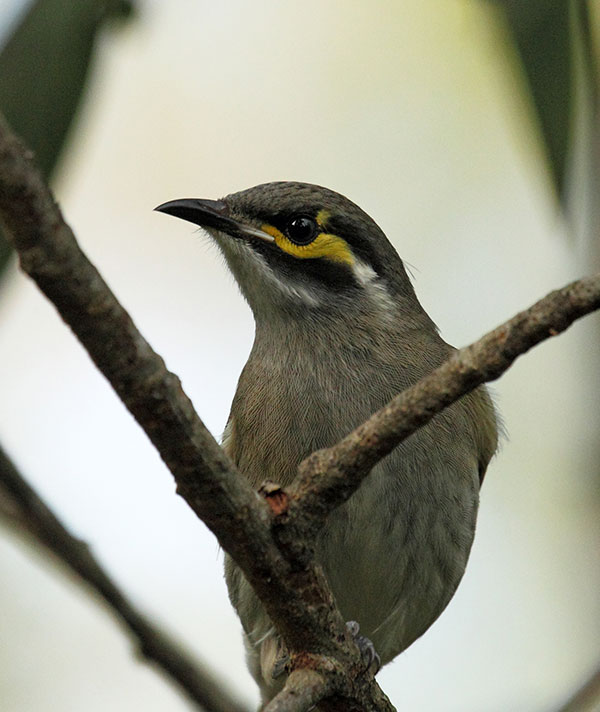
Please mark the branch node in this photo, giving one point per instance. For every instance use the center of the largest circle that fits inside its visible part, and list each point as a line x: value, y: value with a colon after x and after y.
x: 277, y: 498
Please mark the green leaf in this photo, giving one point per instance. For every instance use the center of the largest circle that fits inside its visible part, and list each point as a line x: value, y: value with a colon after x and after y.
x: 544, y: 33
x: 43, y: 70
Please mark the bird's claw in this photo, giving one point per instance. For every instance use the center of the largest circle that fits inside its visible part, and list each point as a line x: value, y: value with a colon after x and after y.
x: 367, y: 650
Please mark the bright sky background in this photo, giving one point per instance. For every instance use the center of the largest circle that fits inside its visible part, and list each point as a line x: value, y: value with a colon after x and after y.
x: 412, y: 112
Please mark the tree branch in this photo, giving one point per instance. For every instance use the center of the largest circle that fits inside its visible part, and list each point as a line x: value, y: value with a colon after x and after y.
x: 205, y: 477
x: 24, y: 510
x: 328, y: 477
x: 259, y: 535
x: 303, y: 689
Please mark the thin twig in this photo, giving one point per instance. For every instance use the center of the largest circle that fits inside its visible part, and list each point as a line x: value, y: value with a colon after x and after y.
x: 24, y: 510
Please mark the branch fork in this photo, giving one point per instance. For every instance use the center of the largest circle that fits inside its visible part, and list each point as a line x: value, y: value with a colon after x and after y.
x: 268, y: 535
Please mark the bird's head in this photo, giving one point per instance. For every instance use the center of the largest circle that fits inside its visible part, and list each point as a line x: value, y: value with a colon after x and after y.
x: 296, y: 246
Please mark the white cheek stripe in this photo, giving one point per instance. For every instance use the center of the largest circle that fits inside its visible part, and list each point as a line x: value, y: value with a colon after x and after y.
x: 297, y: 293
x: 373, y: 285
x: 366, y: 276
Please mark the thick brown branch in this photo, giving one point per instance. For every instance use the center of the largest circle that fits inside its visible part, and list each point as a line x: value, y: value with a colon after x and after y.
x: 303, y: 689
x: 315, y: 679
x: 23, y: 509
x: 329, y: 477
x: 205, y: 478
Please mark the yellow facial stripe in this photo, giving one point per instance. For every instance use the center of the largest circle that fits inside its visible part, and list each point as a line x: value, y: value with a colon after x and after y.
x: 325, y: 244
x: 322, y: 217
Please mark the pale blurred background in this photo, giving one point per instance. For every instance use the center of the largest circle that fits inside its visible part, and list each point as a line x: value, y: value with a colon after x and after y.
x: 412, y: 111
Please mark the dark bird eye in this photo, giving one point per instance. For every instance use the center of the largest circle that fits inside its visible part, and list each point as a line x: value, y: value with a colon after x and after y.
x: 301, y: 230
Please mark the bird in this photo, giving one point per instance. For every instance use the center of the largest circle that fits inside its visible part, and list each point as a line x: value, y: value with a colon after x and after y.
x: 339, y: 331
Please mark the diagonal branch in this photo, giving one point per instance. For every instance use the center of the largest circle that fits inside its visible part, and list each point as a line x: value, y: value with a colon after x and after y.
x: 23, y: 509
x: 205, y: 477
x: 328, y: 477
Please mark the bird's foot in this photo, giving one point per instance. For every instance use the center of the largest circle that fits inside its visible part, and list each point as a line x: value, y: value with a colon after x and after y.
x: 367, y: 650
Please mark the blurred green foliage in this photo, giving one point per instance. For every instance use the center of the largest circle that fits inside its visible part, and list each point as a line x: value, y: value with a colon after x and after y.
x: 44, y: 65
x: 547, y: 35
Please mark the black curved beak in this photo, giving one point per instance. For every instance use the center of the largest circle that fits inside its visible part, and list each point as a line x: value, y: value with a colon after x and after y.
x: 211, y: 214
